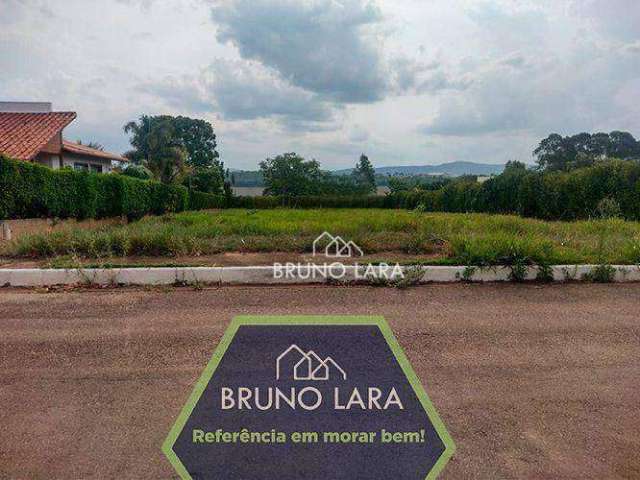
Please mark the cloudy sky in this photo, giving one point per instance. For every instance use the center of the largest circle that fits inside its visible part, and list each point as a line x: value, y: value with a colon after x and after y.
x: 407, y: 81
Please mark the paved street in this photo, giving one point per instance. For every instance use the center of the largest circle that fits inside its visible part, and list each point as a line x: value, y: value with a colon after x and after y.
x: 533, y: 382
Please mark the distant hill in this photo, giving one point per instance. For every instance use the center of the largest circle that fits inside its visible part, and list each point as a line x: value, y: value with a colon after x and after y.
x: 453, y: 169
x: 253, y: 178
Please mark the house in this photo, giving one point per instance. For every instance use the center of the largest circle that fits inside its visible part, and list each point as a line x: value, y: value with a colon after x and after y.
x: 32, y: 132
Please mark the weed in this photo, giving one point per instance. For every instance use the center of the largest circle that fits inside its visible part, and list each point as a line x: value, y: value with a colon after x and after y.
x: 195, y: 282
x: 372, y: 280
x: 608, y: 208
x: 420, y: 208
x: 416, y: 244
x: 468, y: 273
x: 569, y: 273
x: 545, y: 273
x: 518, y: 269
x: 412, y: 276
x: 601, y: 274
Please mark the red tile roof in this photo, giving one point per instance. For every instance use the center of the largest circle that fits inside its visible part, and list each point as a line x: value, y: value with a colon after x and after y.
x: 78, y: 149
x: 23, y: 135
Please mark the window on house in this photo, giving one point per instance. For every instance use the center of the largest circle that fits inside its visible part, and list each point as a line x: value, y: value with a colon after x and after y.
x: 80, y: 166
x: 96, y: 168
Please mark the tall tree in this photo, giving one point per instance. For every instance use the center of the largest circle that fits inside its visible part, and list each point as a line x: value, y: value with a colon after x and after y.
x: 623, y: 145
x: 191, y: 143
x: 157, y: 147
x: 199, y: 140
x: 139, y: 139
x: 599, y: 144
x: 557, y: 153
x: 290, y: 174
x: 365, y: 175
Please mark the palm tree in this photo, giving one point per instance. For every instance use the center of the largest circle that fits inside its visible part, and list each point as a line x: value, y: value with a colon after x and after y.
x: 94, y: 145
x: 157, y: 148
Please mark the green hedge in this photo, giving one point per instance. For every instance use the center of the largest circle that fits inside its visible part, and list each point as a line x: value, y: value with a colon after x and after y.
x: 335, y: 201
x: 311, y: 201
x: 202, y: 201
x: 29, y: 190
x: 553, y: 196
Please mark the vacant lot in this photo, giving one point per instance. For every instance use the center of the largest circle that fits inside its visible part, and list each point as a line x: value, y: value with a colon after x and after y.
x: 532, y: 382
x: 468, y: 239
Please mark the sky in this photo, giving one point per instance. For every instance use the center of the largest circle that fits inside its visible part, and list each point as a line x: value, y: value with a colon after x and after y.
x: 408, y: 82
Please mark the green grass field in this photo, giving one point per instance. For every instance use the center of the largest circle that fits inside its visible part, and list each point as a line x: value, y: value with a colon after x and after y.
x: 466, y: 239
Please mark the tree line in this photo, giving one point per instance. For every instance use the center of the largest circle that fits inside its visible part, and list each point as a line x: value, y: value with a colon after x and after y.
x: 557, y: 153
x: 574, y: 176
x: 610, y: 188
x: 184, y: 150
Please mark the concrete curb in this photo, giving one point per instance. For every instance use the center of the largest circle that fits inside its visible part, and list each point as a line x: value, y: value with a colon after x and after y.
x: 261, y: 275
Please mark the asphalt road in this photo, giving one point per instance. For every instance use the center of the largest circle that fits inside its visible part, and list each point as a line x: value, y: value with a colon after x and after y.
x: 532, y: 382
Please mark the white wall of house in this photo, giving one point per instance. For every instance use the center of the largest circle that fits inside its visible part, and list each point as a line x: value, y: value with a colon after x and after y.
x: 48, y: 160
x: 75, y: 161
x: 82, y: 162
x: 25, y: 107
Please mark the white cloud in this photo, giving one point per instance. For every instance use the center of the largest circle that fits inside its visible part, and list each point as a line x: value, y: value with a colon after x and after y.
x: 409, y: 81
x: 619, y: 19
x: 560, y: 82
x: 323, y: 46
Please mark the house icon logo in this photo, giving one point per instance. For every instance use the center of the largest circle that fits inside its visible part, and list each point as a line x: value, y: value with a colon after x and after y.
x: 335, y: 246
x: 294, y: 363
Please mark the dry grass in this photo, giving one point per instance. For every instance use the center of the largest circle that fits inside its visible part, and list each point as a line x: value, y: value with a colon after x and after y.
x: 469, y: 239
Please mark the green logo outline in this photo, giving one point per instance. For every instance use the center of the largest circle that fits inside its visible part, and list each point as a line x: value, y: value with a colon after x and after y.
x: 237, y: 322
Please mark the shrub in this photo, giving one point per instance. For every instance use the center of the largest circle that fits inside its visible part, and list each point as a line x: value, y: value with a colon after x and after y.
x: 201, y: 200
x: 137, y: 171
x: 608, y: 208
x: 168, y: 198
x: 601, y: 274
x: 30, y: 190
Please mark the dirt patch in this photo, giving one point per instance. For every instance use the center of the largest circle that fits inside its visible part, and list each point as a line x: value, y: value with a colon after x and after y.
x: 532, y: 382
x: 14, y: 229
